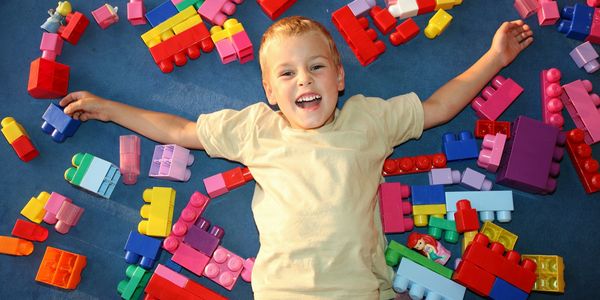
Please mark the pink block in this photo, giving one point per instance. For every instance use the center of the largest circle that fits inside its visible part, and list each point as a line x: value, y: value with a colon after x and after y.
x: 53, y: 206
x: 473, y: 179
x: 224, y: 268
x: 593, y: 3
x: 51, y: 45
x: 189, y: 215
x: 215, y: 185
x: 105, y: 15
x: 129, y: 150
x: 394, y: 211
x: 171, y: 275
x: 582, y: 105
x: 242, y: 45
x: 170, y: 162
x: 526, y: 8
x: 216, y: 11
x: 360, y: 7
x: 551, y: 91
x: 548, y: 12
x: 491, y: 152
x: 191, y: 259
x: 594, y: 36
x: 136, y: 12
x: 247, y: 270
x: 226, y: 51
x: 495, y: 99
x: 68, y: 216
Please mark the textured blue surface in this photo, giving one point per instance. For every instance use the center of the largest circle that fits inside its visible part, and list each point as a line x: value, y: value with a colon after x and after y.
x: 116, y: 64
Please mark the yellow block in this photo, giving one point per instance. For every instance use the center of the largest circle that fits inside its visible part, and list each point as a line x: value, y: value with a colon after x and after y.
x: 437, y: 24
x: 233, y: 26
x: 498, y: 234
x: 467, y: 239
x: 550, y: 273
x: 34, y: 209
x: 217, y: 33
x: 187, y: 24
x: 158, y: 214
x: 12, y: 130
x: 422, y: 212
x: 164, y: 30
x: 445, y: 4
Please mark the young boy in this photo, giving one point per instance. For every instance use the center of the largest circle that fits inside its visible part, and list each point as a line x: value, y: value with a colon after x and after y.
x: 316, y: 168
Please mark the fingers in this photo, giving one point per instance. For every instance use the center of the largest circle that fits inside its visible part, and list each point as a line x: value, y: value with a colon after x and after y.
x: 71, y: 97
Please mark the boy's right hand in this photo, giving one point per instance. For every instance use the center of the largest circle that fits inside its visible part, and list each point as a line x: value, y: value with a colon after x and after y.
x: 85, y: 106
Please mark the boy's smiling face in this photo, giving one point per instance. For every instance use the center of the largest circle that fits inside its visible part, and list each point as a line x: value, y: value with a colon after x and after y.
x: 302, y: 79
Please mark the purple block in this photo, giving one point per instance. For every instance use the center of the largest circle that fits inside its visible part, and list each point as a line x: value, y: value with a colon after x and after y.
x: 585, y: 56
x: 170, y: 162
x: 203, y: 240
x: 444, y: 176
x: 475, y: 180
x: 360, y: 7
x: 531, y: 158
x: 142, y: 248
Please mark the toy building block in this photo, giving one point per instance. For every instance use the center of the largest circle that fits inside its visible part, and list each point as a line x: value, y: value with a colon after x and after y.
x: 531, y: 160
x: 446, y: 4
x: 216, y: 11
x: 61, y: 211
x: 358, y: 7
x: 203, y: 240
x: 188, y: 217
x: 526, y: 8
x: 486, y: 203
x: 15, y: 246
x: 585, y: 56
x: 465, y: 217
x: 134, y: 285
x: 183, y: 4
x: 475, y: 180
x: 551, y: 90
x: 414, y: 164
x: 581, y: 156
x: 106, y: 15
x: 594, y: 36
x: 593, y: 3
x: 474, y: 278
x: 422, y: 212
x: 240, y: 40
x: 190, y: 258
x: 129, y: 154
x: 173, y: 266
x: 224, y: 268
x: 437, y: 24
x: 548, y: 12
x: 357, y: 34
x: 93, y: 174
x: 437, y: 225
x: 58, y: 124
x: 504, y: 290
x: 142, y: 249
x: 53, y: 205
x: 75, y: 27
x: 34, y: 209
x: 404, y: 32
x: 61, y: 268
x: 161, y: 13
x: 576, y: 21
x: 223, y: 45
x: 170, y: 162
x: 427, y: 6
x: 164, y: 30
x: 496, y: 98
x: 583, y: 105
x: 222, y: 183
x: 393, y: 209
x: 274, y: 8
x: 157, y: 215
x: 421, y: 281
x: 47, y: 79
x: 427, y: 194
x: 247, y: 269
x: 550, y: 273
x: 459, y: 147
x: 491, y: 152
x: 384, y: 21
x: 57, y: 16
x: 51, y: 45
x: 443, y: 176
x: 396, y: 251
x: 18, y: 139
x: 168, y: 284
x: 135, y: 12
x: 403, y: 9
x: 484, y: 127
x: 29, y: 231
x: 500, y: 235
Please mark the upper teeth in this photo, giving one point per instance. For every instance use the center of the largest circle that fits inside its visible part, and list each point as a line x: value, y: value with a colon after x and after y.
x: 308, y: 98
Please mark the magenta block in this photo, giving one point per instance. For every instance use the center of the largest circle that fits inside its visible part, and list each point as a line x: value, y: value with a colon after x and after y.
x: 215, y: 185
x: 526, y: 8
x: 226, y: 51
x: 360, y: 7
x: 548, y: 12
x: 495, y: 99
x: 394, y: 211
x: 475, y: 180
x: 216, y: 11
x: 53, y: 206
x: 243, y: 46
x: 105, y: 15
x: 170, y: 162
x: 191, y: 259
x: 135, y: 12
x: 171, y: 275
x: 51, y: 45
x: 531, y: 160
x: 583, y: 105
x: 551, y: 91
x: 67, y: 216
x: 247, y: 270
x: 224, y: 268
x: 444, y: 176
x: 491, y: 151
x: 129, y: 152
x: 585, y: 56
x: 188, y: 217
x: 202, y: 239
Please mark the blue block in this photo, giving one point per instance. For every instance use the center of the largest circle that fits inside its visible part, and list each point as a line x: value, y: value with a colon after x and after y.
x: 504, y: 290
x: 110, y: 181
x: 463, y: 147
x: 173, y: 266
x: 161, y: 13
x: 142, y: 248
x: 57, y: 124
x: 576, y: 21
x: 427, y: 194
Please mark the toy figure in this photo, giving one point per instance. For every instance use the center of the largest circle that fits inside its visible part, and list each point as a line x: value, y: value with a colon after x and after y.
x: 57, y: 17
x: 429, y: 247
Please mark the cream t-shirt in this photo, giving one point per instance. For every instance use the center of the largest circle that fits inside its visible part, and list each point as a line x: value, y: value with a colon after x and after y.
x: 315, y: 203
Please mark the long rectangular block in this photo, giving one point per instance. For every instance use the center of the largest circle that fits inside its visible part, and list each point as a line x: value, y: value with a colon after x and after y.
x: 486, y: 203
x: 584, y: 163
x: 496, y: 98
x: 188, y: 217
x: 393, y: 207
x: 421, y: 281
x: 583, y: 106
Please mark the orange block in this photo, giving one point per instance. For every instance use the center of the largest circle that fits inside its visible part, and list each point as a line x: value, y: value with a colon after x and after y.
x: 61, y: 268
x: 15, y: 246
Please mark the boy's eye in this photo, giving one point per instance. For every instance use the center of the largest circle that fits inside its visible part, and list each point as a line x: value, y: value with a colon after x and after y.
x: 286, y: 73
x: 316, y: 67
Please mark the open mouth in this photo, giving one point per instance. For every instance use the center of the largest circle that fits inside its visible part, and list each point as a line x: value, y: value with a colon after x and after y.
x: 308, y: 101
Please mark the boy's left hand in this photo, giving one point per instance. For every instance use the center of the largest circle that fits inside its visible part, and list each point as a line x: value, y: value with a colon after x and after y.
x: 510, y: 39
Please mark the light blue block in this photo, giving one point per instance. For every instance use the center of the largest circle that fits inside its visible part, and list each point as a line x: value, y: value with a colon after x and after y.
x: 101, y: 177
x: 485, y: 202
x: 424, y: 283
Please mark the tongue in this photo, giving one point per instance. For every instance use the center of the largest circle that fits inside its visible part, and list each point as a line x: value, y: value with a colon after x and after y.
x: 308, y: 104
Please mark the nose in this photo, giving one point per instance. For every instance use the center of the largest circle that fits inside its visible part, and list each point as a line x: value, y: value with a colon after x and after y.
x: 304, y: 78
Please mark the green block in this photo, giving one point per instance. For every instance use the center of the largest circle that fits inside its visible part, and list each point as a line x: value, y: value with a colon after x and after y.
x: 395, y: 251
x: 436, y: 225
x: 81, y: 163
x: 187, y: 3
x: 138, y: 279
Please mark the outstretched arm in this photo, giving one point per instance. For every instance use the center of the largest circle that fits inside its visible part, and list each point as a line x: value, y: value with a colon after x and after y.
x: 510, y: 39
x: 161, y: 127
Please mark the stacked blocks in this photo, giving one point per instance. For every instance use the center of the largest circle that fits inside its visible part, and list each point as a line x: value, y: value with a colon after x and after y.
x: 462, y: 147
x: 222, y: 183
x: 61, y: 211
x: 76, y: 25
x: 359, y: 7
x: 437, y: 225
x: 491, y: 152
x: 170, y: 162
x: 15, y: 246
x: 404, y: 32
x: 550, y: 273
x: 168, y: 284
x: 34, y: 209
x: 486, y: 203
x: 437, y: 24
x: 93, y: 174
x: 216, y: 11
x: 466, y: 221
x: 531, y: 160
x: 357, y: 34
x: 415, y: 164
x: 18, y: 139
x: 576, y: 21
x: 61, y: 268
x: 393, y: 207
x: 504, y: 290
x: 29, y: 231
x: 475, y: 180
x: 129, y: 154
x: 232, y: 42
x: 495, y: 99
x: 384, y: 21
x: 189, y: 215
x: 548, y: 12
x: 551, y: 92
x: 135, y: 12
x: 396, y: 251
x: 161, y: 13
x: 157, y: 215
x: 444, y: 176
x: 585, y: 165
x: 422, y: 282
x: 58, y: 124
x: 223, y: 45
x: 200, y: 238
x: 585, y: 56
x: 526, y: 8
x: 274, y: 8
x: 48, y: 78
x: 500, y: 235
x: 106, y: 15
x: 224, y: 268
x: 427, y: 200
x: 582, y: 105
x: 133, y: 286
x: 484, y: 127
x: 142, y: 249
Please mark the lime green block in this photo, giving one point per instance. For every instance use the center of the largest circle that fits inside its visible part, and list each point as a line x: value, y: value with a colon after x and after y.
x: 187, y: 3
x: 81, y: 162
x: 395, y: 251
x: 437, y: 225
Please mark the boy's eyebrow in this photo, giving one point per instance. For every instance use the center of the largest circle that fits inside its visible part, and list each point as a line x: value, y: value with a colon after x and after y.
x: 285, y: 64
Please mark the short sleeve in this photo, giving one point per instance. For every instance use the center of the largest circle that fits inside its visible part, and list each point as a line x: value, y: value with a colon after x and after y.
x: 402, y: 117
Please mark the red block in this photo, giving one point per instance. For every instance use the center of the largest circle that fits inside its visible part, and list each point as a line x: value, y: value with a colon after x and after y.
x: 362, y: 40
x: 426, y: 6
x: 404, y: 32
x: 415, y: 164
x: 25, y: 148
x: 474, y: 278
x: 76, y: 25
x: 384, y: 21
x: 465, y: 217
x: 274, y: 8
x: 175, y: 49
x: 29, y: 231
x: 48, y: 79
x: 583, y: 162
x: 483, y: 127
x: 236, y: 177
x: 202, y: 292
x: 161, y: 288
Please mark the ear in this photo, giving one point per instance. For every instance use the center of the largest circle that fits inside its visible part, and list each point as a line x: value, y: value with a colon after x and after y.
x: 269, y: 92
x: 341, y: 84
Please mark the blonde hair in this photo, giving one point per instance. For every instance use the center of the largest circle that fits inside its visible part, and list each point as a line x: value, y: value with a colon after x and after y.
x: 295, y: 26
